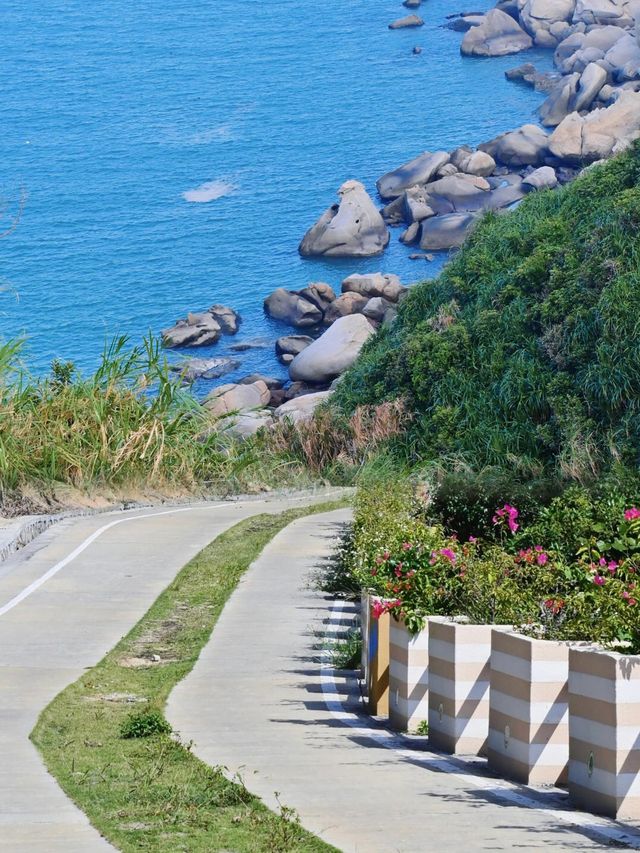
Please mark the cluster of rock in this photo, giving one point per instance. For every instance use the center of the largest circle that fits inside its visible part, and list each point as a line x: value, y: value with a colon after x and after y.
x: 202, y: 328
x: 365, y: 302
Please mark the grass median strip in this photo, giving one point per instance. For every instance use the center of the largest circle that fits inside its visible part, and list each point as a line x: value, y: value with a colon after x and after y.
x: 105, y: 739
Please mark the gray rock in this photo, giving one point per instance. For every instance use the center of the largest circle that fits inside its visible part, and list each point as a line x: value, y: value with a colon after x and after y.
x: 497, y: 35
x: 369, y: 285
x: 271, y: 382
x: 354, y: 228
x: 378, y: 309
x: 410, y: 235
x: 416, y: 204
x: 302, y: 408
x: 541, y: 179
x: 245, y: 424
x: 236, y: 398
x: 477, y: 163
x: 557, y: 105
x: 320, y: 294
x: 228, y: 319
x: 420, y: 170
x: 291, y: 345
x: 592, y: 80
x: 334, y: 352
x: 290, y: 307
x: 204, y: 368
x: 446, y: 232
x: 526, y: 146
x: 253, y: 343
x: 197, y: 330
x: 457, y: 193
x: 344, y: 306
x: 406, y: 22
x: 599, y: 134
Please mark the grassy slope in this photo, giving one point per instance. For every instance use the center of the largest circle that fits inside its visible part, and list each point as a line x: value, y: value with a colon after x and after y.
x: 153, y: 793
x: 525, y: 352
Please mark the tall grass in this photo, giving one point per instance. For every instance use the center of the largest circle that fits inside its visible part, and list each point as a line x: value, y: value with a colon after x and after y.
x: 129, y: 425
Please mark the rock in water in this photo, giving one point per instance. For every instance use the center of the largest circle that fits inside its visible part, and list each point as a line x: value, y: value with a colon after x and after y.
x: 291, y: 307
x: 407, y: 21
x: 420, y: 170
x: 198, y: 330
x: 204, y: 368
x: 333, y: 352
x: 446, y: 232
x: 289, y: 346
x: 354, y: 228
x: 498, y: 35
x: 526, y: 146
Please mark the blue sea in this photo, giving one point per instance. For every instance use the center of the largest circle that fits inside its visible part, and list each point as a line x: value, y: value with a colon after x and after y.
x: 117, y: 117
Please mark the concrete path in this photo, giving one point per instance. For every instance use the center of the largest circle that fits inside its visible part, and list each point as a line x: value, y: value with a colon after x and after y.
x: 101, y: 574
x: 255, y: 701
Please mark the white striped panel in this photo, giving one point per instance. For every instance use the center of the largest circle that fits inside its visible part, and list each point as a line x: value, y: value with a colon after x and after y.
x: 529, y: 712
x: 531, y: 754
x: 600, y: 734
x: 540, y: 671
x: 604, y: 782
x: 442, y: 650
x: 622, y: 690
x: 458, y: 690
x: 412, y: 675
x: 459, y: 652
x: 459, y: 726
x: 399, y: 636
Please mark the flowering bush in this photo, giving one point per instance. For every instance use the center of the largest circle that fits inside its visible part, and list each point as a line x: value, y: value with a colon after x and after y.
x: 407, y: 559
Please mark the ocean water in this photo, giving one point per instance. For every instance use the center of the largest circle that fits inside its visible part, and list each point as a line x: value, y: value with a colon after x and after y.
x: 174, y: 153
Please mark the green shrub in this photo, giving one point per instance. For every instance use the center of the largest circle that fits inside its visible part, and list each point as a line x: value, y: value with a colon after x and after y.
x: 144, y: 724
x: 525, y: 352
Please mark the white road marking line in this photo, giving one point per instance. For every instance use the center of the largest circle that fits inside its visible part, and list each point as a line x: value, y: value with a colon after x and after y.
x: 29, y: 590
x: 499, y: 788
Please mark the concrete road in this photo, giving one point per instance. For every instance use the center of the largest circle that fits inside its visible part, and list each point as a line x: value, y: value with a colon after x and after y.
x: 65, y: 601
x: 256, y: 701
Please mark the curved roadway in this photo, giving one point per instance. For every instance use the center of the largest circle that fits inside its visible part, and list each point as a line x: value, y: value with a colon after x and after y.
x: 65, y: 601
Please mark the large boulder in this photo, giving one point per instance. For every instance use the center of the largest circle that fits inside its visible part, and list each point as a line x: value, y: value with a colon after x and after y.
x: 245, y: 424
x: 445, y: 232
x: 539, y: 16
x: 420, y: 170
x: 406, y: 22
x: 498, y: 35
x: 456, y: 193
x: 526, y: 146
x: 375, y: 284
x: 291, y: 307
x: 591, y: 12
x: 237, y: 398
x: 623, y: 59
x: 333, y: 353
x: 599, y: 134
x: 354, y: 228
x: 344, y: 306
x: 471, y: 162
x: 198, y: 330
x: 541, y: 179
x: 319, y: 293
x: 557, y: 105
x: 301, y: 408
x: 228, y: 319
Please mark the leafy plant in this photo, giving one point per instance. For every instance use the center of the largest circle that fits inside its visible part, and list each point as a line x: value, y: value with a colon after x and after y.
x: 144, y: 724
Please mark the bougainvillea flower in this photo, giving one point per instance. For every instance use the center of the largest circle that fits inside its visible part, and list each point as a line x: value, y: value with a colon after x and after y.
x: 632, y: 514
x: 598, y: 580
x: 448, y: 554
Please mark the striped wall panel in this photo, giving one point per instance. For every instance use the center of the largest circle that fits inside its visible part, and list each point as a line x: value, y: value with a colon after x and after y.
x: 604, y: 732
x: 408, y: 677
x: 528, y: 709
x: 459, y: 669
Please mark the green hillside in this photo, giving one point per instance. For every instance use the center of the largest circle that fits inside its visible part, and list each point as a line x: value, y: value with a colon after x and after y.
x: 525, y: 352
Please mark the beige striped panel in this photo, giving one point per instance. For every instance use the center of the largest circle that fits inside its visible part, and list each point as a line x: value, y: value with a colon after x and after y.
x: 408, y: 677
x: 528, y: 709
x: 604, y: 732
x: 459, y: 668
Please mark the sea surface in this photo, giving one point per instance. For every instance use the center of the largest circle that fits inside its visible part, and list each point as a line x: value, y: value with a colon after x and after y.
x: 173, y: 154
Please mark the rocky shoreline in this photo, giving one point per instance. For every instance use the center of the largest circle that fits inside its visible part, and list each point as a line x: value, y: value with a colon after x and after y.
x: 591, y: 112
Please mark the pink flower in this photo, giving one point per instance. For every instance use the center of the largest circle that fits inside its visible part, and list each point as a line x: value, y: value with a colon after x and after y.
x: 406, y: 546
x: 374, y: 572
x: 632, y: 514
x: 378, y: 609
x: 542, y: 559
x: 398, y: 571
x: 473, y: 539
x: 386, y: 555
x: 612, y: 566
x: 602, y: 561
x: 598, y: 580
x: 510, y: 513
x: 448, y: 554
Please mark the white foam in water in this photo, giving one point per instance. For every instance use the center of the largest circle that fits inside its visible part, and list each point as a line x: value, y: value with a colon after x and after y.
x: 209, y: 191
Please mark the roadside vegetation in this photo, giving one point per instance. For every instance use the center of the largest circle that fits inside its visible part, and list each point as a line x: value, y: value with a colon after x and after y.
x: 106, y: 741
